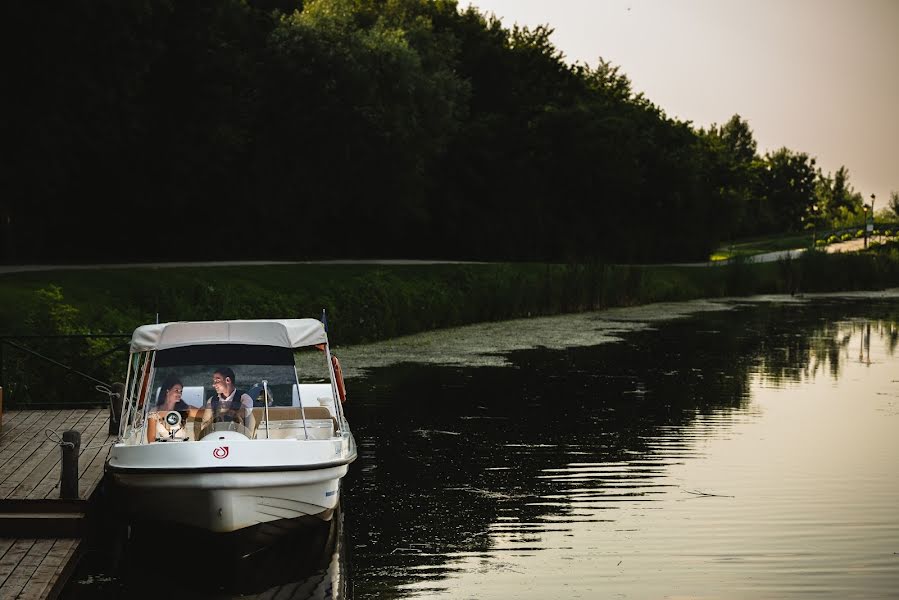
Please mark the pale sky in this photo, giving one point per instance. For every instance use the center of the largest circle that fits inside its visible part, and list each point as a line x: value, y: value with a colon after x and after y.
x: 816, y: 76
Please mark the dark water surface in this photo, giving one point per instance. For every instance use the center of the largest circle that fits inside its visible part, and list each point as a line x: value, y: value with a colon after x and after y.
x: 746, y: 449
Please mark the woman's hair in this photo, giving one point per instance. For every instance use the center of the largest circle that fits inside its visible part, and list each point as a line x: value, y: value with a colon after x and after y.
x: 167, y: 384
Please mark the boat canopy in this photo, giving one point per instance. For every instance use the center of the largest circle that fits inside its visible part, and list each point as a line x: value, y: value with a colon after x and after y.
x: 283, y: 333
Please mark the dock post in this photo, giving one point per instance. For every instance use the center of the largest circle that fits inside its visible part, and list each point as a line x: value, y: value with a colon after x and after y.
x: 68, y: 479
x: 115, y: 407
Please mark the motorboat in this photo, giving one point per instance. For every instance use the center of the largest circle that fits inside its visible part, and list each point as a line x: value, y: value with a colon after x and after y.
x: 257, y: 436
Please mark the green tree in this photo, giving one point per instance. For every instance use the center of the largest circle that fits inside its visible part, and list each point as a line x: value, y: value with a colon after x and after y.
x: 787, y: 188
x: 894, y: 202
x: 733, y: 165
x: 839, y: 204
x: 391, y: 127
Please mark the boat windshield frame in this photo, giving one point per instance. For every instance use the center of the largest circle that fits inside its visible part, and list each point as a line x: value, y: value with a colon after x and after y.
x: 273, y: 380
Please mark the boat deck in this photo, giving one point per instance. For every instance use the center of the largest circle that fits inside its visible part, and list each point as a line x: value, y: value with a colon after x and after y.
x: 40, y: 534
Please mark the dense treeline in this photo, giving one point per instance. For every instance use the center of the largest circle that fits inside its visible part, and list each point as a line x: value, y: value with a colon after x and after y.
x: 152, y: 129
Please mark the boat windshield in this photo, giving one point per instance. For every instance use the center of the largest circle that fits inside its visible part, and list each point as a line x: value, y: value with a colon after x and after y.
x: 228, y: 387
x: 200, y: 368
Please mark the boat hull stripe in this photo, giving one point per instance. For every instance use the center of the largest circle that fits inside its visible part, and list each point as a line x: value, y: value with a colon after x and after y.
x: 221, y: 469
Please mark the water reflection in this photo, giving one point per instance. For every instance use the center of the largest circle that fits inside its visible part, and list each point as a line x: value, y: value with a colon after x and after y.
x: 825, y: 346
x: 516, y: 475
x: 307, y: 563
x: 742, y: 450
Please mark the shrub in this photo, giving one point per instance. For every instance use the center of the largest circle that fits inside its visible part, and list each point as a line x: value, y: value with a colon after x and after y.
x: 859, y: 233
x: 832, y: 239
x: 820, y: 243
x: 846, y: 237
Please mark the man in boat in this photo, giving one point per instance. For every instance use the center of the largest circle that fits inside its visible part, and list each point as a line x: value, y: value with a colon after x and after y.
x: 228, y: 403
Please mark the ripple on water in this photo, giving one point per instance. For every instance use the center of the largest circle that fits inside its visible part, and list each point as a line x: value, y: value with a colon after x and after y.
x: 727, y: 467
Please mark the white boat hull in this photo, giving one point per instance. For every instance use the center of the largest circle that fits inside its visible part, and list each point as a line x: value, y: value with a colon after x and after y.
x: 224, y: 502
x: 277, y: 479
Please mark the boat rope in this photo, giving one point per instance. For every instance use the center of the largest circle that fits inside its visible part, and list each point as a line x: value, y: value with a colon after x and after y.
x: 104, y: 388
x: 103, y: 445
x: 54, y: 437
x: 55, y: 362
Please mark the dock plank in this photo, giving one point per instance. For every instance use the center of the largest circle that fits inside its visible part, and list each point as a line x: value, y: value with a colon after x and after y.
x: 5, y: 544
x: 10, y: 444
x: 25, y: 569
x: 9, y: 419
x: 17, y: 450
x: 51, y: 457
x: 93, y: 474
x: 50, y: 480
x: 30, y: 461
x: 28, y: 436
x: 46, y: 475
x: 98, y: 446
x: 11, y: 559
x: 37, y: 568
x: 49, y: 571
x: 11, y: 427
x: 97, y: 429
x: 90, y: 440
x: 36, y: 450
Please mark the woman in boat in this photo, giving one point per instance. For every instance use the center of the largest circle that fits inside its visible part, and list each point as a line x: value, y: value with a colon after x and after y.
x: 170, y: 395
x: 169, y: 400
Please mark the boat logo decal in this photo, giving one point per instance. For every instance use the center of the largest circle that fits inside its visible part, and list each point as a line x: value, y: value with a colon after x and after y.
x: 220, y: 452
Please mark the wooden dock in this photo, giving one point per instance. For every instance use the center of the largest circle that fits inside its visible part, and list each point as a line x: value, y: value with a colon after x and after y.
x: 41, y: 535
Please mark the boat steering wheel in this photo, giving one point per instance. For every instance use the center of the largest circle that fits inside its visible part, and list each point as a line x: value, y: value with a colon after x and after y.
x: 218, y: 426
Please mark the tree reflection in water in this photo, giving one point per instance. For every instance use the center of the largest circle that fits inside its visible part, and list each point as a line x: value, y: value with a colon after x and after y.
x: 465, y: 462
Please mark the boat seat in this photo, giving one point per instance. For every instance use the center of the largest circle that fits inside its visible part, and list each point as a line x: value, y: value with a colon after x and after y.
x: 321, y: 392
x: 194, y: 395
x: 292, y: 413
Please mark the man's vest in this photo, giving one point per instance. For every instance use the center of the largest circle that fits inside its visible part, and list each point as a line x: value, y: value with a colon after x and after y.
x: 234, y: 407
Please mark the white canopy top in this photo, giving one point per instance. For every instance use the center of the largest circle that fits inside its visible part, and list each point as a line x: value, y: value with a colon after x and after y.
x: 284, y: 333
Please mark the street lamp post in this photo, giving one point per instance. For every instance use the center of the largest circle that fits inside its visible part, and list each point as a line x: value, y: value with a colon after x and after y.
x: 866, y: 219
x: 865, y: 225
x: 872, y: 214
x: 814, y: 226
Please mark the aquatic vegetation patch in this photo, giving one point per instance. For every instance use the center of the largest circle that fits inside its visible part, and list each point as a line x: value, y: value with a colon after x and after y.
x: 489, y: 344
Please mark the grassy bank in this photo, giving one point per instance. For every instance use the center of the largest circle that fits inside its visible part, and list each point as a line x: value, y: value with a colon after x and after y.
x: 364, y: 302
x: 750, y: 247
x: 807, y: 239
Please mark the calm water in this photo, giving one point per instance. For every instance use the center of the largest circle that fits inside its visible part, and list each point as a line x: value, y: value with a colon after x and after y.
x: 742, y: 449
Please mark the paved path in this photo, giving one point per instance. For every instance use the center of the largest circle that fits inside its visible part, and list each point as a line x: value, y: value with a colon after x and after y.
x: 848, y: 246
x: 853, y: 245
x: 4, y: 269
